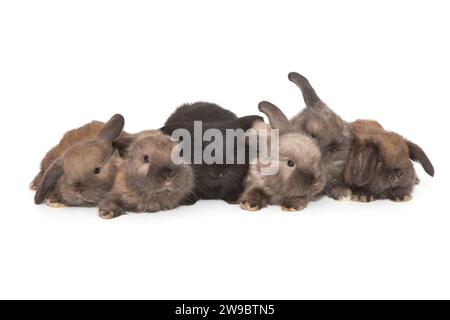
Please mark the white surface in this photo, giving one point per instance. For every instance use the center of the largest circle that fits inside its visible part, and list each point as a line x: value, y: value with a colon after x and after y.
x: 65, y: 63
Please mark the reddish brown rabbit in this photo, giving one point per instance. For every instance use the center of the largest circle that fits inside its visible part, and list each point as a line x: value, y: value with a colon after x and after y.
x: 81, y: 168
x: 380, y: 164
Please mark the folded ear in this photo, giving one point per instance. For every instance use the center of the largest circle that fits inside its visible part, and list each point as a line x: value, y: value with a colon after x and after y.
x: 417, y: 154
x: 112, y: 129
x: 309, y: 94
x: 363, y: 166
x: 276, y: 117
x: 49, y: 181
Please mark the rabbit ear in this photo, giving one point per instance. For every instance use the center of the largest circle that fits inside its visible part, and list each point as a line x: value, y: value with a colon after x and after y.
x: 309, y: 94
x: 417, y: 154
x: 276, y: 117
x: 363, y: 166
x: 49, y: 181
x: 112, y: 129
x: 122, y: 144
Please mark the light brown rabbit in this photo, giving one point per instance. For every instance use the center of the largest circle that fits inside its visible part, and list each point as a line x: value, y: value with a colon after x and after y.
x: 299, y: 177
x: 81, y: 168
x: 380, y: 164
x: 147, y: 179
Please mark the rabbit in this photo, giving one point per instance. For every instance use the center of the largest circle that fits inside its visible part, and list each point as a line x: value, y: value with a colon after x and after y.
x: 147, y: 179
x: 331, y: 133
x: 81, y: 168
x: 380, y: 164
x: 218, y: 180
x: 299, y: 178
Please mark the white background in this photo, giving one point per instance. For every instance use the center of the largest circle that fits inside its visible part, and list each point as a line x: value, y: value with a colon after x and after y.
x: 65, y: 63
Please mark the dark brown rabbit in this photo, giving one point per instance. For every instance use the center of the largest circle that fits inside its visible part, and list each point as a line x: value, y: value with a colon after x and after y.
x: 299, y: 176
x: 147, y: 180
x: 222, y: 180
x: 331, y: 133
x: 380, y: 164
x: 81, y: 168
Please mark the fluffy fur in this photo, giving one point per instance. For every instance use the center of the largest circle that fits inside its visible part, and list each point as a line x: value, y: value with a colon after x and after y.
x: 299, y: 178
x: 212, y: 181
x: 331, y: 133
x: 380, y: 164
x: 81, y: 168
x: 148, y: 180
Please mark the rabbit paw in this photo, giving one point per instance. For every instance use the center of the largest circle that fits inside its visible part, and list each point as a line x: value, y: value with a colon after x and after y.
x: 294, y: 204
x: 362, y: 197
x: 402, y: 199
x: 250, y: 206
x: 110, y: 210
x: 341, y: 194
x: 107, y: 215
x: 254, y: 200
x: 33, y: 187
x: 55, y: 205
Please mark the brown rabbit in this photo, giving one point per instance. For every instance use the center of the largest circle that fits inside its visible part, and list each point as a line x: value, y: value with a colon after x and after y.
x: 380, y: 164
x: 81, y: 168
x: 331, y: 133
x: 299, y: 177
x: 147, y: 179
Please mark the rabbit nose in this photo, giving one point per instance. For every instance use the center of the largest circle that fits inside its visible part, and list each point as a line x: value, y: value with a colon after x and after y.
x: 168, y: 173
x: 310, y: 179
x: 78, y: 188
x: 398, y: 173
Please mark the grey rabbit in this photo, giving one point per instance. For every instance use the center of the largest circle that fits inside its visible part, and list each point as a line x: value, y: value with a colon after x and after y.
x: 330, y: 131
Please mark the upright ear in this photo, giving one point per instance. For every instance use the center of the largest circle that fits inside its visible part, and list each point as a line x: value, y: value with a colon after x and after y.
x: 276, y: 117
x: 49, y: 181
x: 417, y: 154
x: 309, y: 94
x: 112, y: 129
x: 363, y: 166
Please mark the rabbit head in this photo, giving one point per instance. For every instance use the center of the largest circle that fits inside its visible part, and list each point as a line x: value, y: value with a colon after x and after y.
x: 85, y: 172
x: 149, y: 167
x: 380, y: 164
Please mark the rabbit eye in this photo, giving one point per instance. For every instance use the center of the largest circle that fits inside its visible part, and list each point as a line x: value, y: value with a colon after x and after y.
x: 146, y: 159
x: 291, y: 163
x: 313, y: 135
x: 97, y: 170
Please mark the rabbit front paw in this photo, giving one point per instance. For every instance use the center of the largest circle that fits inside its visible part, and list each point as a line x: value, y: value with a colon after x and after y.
x: 359, y: 197
x: 341, y: 194
x: 294, y: 204
x: 110, y: 210
x: 54, y: 205
x: 406, y: 198
x: 253, y: 200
